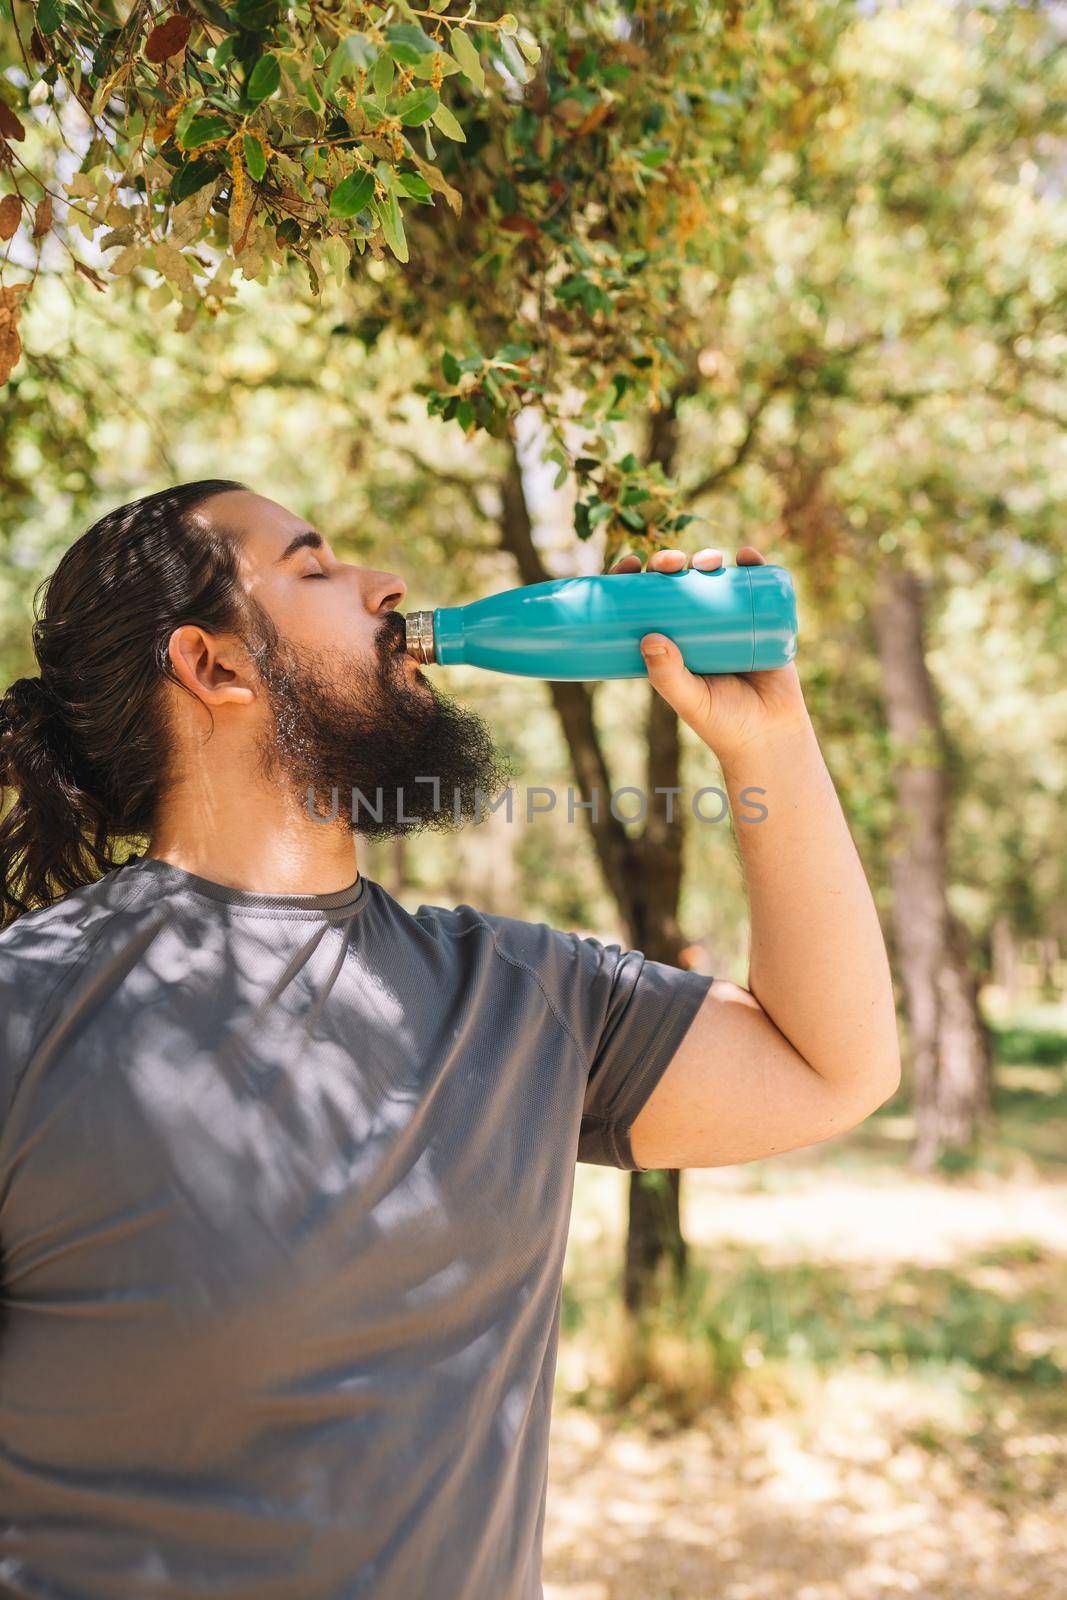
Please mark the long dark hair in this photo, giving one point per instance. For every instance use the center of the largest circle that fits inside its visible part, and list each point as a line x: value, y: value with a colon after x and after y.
x: 84, y: 745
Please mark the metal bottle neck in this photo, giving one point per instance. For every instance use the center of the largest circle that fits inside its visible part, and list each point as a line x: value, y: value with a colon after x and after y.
x: 419, y: 641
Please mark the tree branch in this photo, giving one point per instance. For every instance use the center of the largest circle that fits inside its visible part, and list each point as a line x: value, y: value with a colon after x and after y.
x: 719, y: 474
x: 573, y: 704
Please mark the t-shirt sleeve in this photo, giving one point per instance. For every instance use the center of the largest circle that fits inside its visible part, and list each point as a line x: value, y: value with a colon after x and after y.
x: 639, y: 1012
x: 625, y: 1013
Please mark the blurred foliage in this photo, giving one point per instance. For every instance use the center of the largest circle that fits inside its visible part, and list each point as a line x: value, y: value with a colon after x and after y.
x: 744, y: 1315
x: 1016, y: 1042
x: 575, y: 195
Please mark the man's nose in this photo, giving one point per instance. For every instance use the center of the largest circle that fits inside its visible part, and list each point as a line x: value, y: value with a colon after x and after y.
x: 387, y: 591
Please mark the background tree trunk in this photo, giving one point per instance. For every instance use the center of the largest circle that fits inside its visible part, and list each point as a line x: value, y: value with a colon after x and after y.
x: 643, y: 873
x: 1006, y: 960
x: 948, y: 1042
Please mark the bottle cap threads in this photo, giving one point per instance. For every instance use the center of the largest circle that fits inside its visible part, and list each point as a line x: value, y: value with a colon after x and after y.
x: 419, y: 640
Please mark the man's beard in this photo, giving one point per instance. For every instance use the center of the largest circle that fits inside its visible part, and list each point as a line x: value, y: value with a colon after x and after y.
x: 368, y: 732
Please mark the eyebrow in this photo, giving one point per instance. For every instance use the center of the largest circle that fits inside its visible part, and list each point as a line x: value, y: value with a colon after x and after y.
x: 306, y: 539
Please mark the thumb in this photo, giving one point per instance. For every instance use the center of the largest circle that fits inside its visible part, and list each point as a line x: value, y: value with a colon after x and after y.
x: 670, y: 677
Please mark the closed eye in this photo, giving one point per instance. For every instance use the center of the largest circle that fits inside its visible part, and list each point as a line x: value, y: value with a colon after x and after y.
x: 316, y: 574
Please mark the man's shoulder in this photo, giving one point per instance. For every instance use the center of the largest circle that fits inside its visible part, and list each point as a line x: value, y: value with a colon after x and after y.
x: 40, y: 944
x: 517, y: 940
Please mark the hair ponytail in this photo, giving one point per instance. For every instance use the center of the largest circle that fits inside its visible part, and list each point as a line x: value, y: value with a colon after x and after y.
x: 55, y: 832
x: 83, y: 747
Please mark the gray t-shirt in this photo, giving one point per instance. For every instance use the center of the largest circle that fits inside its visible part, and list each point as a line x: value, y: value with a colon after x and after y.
x: 285, y: 1184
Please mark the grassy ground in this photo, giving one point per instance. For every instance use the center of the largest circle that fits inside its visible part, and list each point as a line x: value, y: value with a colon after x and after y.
x: 863, y: 1394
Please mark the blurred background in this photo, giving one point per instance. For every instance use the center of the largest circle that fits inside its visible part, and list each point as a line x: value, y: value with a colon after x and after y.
x: 841, y: 325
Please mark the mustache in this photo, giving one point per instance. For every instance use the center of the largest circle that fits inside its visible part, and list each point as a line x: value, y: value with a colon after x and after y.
x: 392, y: 636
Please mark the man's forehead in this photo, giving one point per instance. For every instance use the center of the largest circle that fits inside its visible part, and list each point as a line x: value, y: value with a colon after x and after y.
x: 263, y: 526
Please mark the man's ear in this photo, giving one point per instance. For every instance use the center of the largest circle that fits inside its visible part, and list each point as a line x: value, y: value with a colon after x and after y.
x: 213, y: 667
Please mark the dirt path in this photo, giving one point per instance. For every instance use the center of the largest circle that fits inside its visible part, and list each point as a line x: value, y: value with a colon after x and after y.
x: 845, y: 1481
x: 835, y: 1502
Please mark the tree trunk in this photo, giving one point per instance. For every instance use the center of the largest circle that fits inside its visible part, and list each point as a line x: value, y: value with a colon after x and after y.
x: 643, y: 874
x: 1048, y: 955
x: 1006, y: 961
x: 949, y: 1052
x: 655, y: 1234
x: 964, y: 1097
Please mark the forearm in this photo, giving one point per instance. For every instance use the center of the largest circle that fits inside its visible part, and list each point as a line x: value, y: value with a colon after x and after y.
x: 818, y: 963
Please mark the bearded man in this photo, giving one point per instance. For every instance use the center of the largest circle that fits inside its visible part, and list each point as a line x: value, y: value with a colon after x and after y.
x: 285, y: 1169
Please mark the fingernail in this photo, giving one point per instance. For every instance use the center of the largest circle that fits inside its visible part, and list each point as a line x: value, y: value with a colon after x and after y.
x: 705, y: 558
x: 653, y: 648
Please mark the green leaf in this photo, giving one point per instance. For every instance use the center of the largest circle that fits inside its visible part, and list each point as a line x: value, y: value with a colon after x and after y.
x: 313, y: 98
x: 493, y: 390
x: 215, y: 13
x: 393, y: 227
x: 517, y: 65
x: 508, y: 24
x: 444, y: 119
x: 185, y: 116
x: 383, y: 74
x: 450, y: 367
x: 337, y: 255
x: 266, y: 76
x: 49, y: 16
x: 257, y: 15
x: 426, y: 66
x: 407, y: 43
x: 202, y: 130
x: 414, y: 185
x: 192, y: 176
x: 351, y: 194
x: 255, y: 157
x: 470, y: 62
x: 354, y: 54
x: 418, y: 106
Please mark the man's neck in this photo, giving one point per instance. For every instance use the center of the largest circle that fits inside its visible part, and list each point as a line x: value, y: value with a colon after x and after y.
x: 268, y: 846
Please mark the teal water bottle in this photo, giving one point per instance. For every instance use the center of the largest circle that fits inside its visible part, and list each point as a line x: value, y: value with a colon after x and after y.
x: 732, y: 619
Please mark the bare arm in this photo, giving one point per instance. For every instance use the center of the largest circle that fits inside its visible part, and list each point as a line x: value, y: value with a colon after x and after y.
x: 817, y: 962
x: 810, y: 1047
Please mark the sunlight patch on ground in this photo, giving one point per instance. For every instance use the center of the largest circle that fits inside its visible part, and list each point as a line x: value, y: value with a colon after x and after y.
x: 829, y: 1216
x: 830, y: 1499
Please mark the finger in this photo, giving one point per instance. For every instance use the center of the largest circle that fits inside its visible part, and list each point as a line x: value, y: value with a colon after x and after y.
x: 669, y: 675
x: 630, y: 562
x: 667, y: 561
x: 749, y: 556
x: 707, y: 560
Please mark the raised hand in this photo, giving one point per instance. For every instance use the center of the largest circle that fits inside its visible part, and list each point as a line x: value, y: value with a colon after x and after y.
x: 727, y: 710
